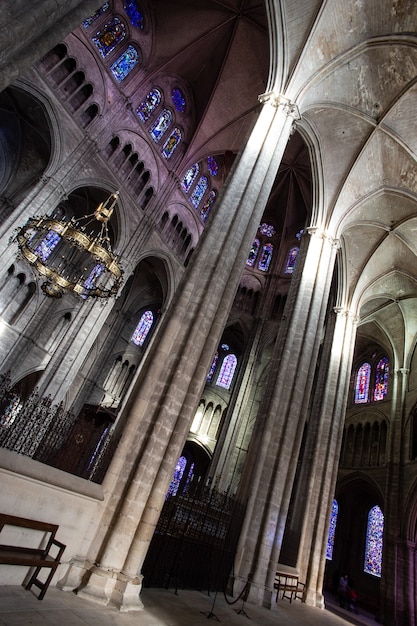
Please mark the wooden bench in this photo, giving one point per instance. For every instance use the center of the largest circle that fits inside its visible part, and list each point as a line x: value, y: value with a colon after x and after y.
x: 33, y: 557
x: 289, y: 585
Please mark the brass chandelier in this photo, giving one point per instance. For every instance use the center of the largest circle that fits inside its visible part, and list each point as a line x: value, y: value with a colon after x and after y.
x: 73, y: 256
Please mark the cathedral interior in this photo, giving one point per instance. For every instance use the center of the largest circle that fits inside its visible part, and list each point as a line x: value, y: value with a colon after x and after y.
x: 208, y: 294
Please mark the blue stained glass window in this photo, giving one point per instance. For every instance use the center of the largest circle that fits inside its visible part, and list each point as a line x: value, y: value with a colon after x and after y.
x: 206, y: 208
x: 148, y: 106
x: 133, y: 13
x: 250, y: 261
x: 161, y: 124
x: 199, y: 191
x: 178, y: 100
x: 373, y: 546
x: 291, y: 260
x: 381, y: 379
x: 178, y: 474
x: 143, y: 328
x: 103, y: 9
x: 107, y: 39
x: 332, y: 530
x: 212, y: 165
x: 266, y: 257
x: 225, y: 346
x: 95, y: 273
x: 362, y: 384
x: 212, y: 368
x: 190, y: 176
x: 226, y: 372
x: 171, y: 143
x: 45, y: 247
x: 11, y: 411
x: 125, y: 63
x: 267, y: 229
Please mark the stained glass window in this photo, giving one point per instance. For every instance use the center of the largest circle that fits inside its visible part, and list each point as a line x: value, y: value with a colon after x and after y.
x: 133, y: 13
x: 48, y: 243
x: 227, y: 370
x: 362, y: 383
x: 267, y: 229
x: 212, y: 368
x: 148, y: 106
x: 11, y: 411
x: 178, y: 474
x: 103, y: 9
x: 107, y: 39
x: 178, y: 100
x: 381, y: 379
x: 250, y: 261
x: 332, y: 530
x: 171, y: 143
x: 266, y: 257
x: 206, y: 208
x: 199, y: 191
x: 291, y: 260
x: 373, y: 546
x: 143, y: 328
x: 212, y: 165
x: 190, y: 176
x: 161, y: 124
x: 95, y: 273
x: 125, y: 63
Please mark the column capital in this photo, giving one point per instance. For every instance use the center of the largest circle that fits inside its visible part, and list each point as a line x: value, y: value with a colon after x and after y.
x: 345, y: 312
x: 404, y: 371
x: 317, y: 232
x: 278, y: 100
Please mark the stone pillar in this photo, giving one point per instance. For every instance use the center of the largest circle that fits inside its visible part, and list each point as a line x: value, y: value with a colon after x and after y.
x: 30, y: 30
x: 275, y: 445
x: 323, y: 443
x: 394, y: 582
x: 166, y: 394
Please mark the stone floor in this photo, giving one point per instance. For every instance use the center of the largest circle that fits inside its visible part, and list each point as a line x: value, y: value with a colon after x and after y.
x: 162, y: 608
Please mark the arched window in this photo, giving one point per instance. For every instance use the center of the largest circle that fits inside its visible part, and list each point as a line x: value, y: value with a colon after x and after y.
x: 253, y: 253
x: 212, y: 368
x: 332, y: 530
x: 148, y: 106
x: 178, y: 100
x: 171, y: 143
x: 199, y: 191
x: 159, y: 127
x: 212, y: 165
x: 227, y: 370
x: 373, y: 546
x: 103, y: 9
x: 266, y: 257
x: 133, y: 13
x: 362, y: 384
x: 178, y: 474
x: 112, y: 34
x: 206, y: 208
x: 381, y: 379
x: 125, y: 63
x: 44, y: 248
x: 143, y: 328
x: 291, y: 260
x: 189, y: 177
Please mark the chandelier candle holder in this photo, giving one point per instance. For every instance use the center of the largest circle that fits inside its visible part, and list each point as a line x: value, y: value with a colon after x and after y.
x: 75, y: 255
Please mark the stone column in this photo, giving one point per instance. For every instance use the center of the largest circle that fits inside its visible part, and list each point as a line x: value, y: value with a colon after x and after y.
x: 322, y: 451
x: 30, y: 30
x: 166, y: 394
x: 394, y: 582
x: 275, y: 445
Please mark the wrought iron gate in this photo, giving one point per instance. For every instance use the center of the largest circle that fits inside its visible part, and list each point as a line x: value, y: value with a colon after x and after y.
x: 194, y: 543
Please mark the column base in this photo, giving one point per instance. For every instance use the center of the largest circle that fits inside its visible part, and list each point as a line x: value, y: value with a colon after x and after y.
x: 76, y: 573
x: 111, y: 588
